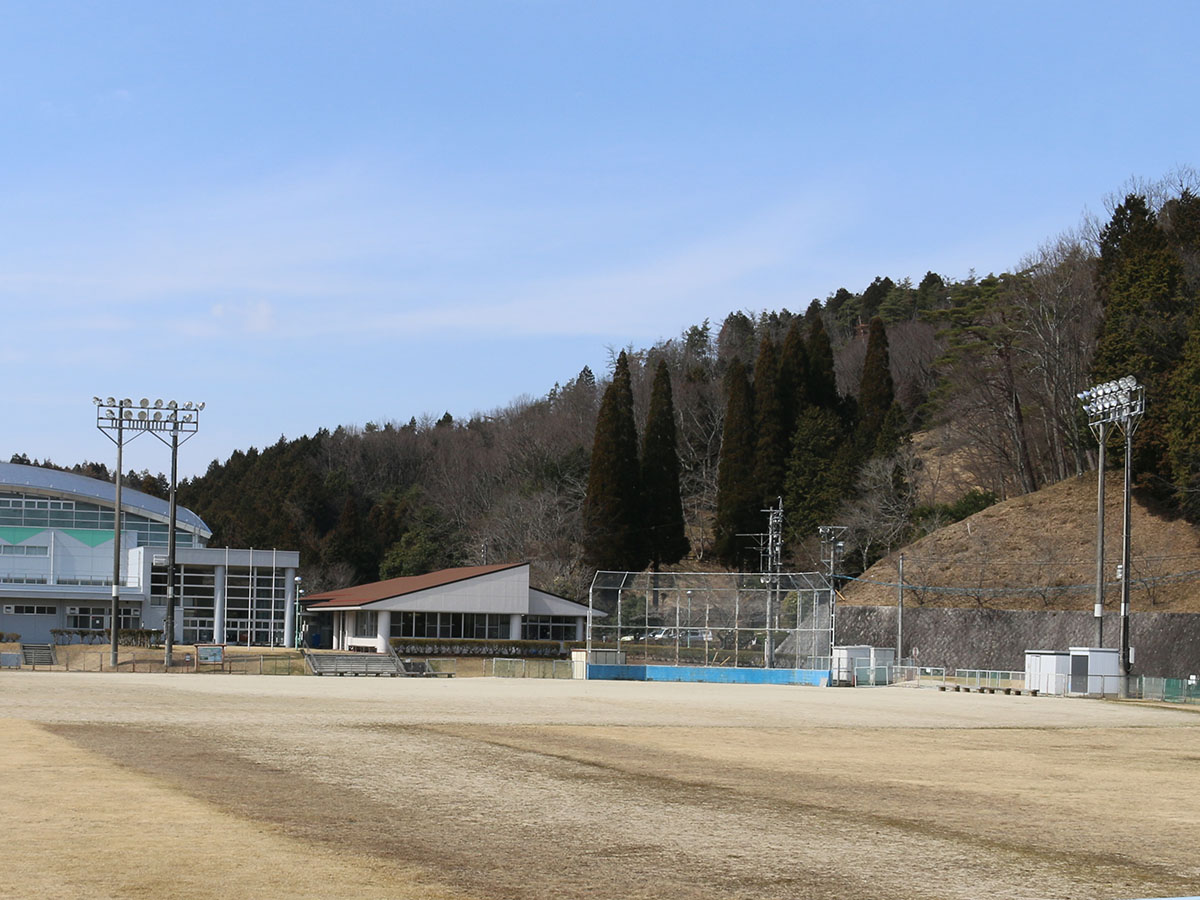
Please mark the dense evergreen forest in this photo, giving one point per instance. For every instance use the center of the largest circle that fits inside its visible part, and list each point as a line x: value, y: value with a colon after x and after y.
x: 672, y: 456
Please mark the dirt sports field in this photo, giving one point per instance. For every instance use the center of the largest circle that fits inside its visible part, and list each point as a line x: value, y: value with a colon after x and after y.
x: 258, y: 787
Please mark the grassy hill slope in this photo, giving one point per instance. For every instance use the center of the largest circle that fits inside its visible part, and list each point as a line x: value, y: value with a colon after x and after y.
x: 1038, y: 551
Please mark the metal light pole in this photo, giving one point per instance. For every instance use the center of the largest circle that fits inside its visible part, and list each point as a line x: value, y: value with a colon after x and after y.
x: 900, y: 613
x: 299, y: 593
x: 173, y: 420
x: 166, y: 421
x: 113, y: 418
x: 1122, y: 403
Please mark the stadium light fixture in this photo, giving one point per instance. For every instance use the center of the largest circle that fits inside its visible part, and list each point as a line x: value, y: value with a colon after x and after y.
x: 118, y: 423
x: 1120, y: 403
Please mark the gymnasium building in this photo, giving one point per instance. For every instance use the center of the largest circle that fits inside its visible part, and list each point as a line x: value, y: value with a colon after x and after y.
x: 56, y: 566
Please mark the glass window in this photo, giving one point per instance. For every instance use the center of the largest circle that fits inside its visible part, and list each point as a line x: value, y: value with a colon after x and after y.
x: 366, y: 623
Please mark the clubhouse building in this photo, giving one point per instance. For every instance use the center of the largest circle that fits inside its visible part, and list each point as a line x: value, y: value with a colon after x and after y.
x: 473, y: 602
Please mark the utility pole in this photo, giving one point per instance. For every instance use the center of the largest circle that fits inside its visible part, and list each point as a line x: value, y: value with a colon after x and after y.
x: 1102, y: 436
x: 774, y: 565
x: 900, y: 613
x: 770, y: 552
x: 835, y: 547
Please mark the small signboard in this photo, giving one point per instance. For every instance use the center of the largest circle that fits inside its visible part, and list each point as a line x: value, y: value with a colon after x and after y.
x: 210, y: 653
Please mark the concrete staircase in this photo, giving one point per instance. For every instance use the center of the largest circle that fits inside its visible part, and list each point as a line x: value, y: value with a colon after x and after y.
x: 38, y: 655
x: 354, y: 664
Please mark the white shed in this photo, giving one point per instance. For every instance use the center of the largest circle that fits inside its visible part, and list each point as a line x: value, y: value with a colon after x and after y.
x: 1047, y: 671
x: 851, y: 657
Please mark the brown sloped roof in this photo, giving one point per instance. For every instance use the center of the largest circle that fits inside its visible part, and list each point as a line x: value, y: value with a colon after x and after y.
x: 397, y: 587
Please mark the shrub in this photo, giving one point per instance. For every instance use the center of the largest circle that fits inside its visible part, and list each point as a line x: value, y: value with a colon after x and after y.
x: 138, y: 637
x: 476, y: 647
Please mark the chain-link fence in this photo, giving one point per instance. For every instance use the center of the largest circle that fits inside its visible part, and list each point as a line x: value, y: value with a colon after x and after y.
x: 764, y: 619
x: 529, y: 668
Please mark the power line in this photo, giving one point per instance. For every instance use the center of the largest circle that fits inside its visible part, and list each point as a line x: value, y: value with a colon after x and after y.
x: 1145, y: 582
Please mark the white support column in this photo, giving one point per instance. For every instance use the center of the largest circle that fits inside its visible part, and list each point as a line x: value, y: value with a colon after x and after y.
x: 219, y: 581
x: 289, y: 607
x: 514, y: 627
x: 383, y: 629
x: 580, y: 628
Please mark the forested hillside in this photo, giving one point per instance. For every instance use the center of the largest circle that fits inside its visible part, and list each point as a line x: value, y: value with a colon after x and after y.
x: 818, y: 408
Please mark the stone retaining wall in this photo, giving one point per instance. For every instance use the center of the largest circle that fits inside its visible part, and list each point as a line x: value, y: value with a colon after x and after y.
x: 1165, y: 644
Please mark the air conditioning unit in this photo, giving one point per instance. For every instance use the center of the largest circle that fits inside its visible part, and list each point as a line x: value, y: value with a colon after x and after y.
x: 72, y: 610
x: 8, y: 610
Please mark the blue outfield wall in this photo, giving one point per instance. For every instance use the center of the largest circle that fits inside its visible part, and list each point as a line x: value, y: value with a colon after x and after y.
x: 714, y: 674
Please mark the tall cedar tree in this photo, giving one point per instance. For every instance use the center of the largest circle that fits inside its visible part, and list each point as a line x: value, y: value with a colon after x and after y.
x: 660, y: 475
x: 793, y: 378
x: 819, y: 471
x: 771, y: 444
x: 876, y: 391
x: 1146, y: 316
x: 1181, y: 220
x: 1183, y: 428
x: 822, y: 383
x: 738, y: 507
x: 613, y: 533
x: 874, y: 296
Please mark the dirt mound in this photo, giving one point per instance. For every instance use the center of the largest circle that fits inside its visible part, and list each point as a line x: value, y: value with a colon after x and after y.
x: 1038, y: 551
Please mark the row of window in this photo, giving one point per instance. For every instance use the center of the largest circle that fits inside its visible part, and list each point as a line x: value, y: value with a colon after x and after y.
x: 549, y: 628
x: 42, y: 513
x: 95, y: 618
x: 24, y: 550
x: 25, y: 503
x: 91, y: 617
x: 442, y: 625
x: 480, y: 626
x: 22, y: 579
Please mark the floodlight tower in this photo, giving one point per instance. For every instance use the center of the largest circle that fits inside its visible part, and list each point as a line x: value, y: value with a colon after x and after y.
x: 112, y: 418
x: 167, y: 422
x: 121, y: 422
x: 1120, y: 402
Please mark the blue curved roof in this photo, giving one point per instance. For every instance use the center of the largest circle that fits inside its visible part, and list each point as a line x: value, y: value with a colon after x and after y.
x: 36, y: 480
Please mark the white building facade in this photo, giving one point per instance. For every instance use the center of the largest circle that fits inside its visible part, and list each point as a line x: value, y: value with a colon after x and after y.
x: 472, y: 603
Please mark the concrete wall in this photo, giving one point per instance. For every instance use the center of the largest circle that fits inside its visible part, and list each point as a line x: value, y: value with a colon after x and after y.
x: 1165, y: 644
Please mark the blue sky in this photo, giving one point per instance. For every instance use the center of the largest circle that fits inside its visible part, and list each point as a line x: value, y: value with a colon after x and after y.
x: 314, y: 214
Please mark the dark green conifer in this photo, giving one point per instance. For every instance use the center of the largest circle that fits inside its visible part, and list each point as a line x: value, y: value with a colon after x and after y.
x: 1183, y: 428
x: 738, y: 507
x: 793, y: 378
x: 876, y: 392
x: 818, y: 471
x: 667, y: 542
x: 822, y: 382
x: 1146, y: 316
x: 614, y: 536
x: 873, y: 297
x: 771, y: 441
